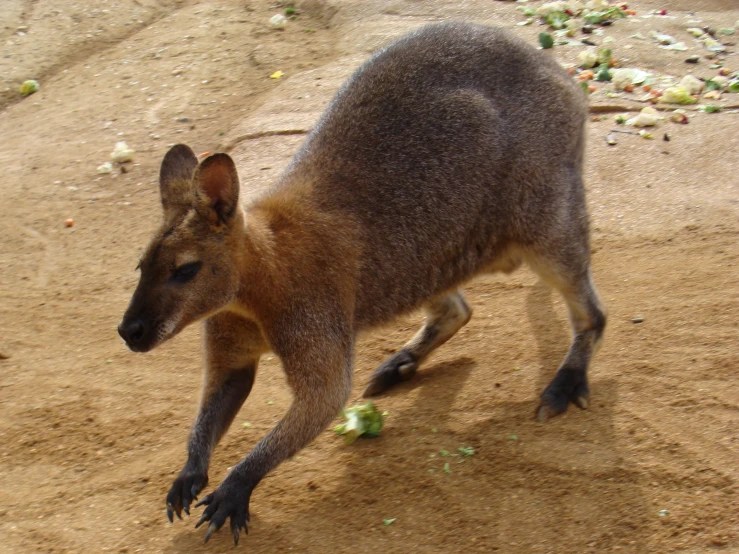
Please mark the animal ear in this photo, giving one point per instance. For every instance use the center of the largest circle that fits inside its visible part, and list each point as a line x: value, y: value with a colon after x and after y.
x: 217, y: 183
x: 175, y: 176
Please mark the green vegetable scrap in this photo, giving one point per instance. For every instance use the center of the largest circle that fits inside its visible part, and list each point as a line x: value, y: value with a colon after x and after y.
x: 677, y: 95
x: 290, y: 11
x: 712, y: 85
x: 606, y: 15
x: 557, y: 20
x: 466, y: 450
x: 710, y: 108
x: 734, y: 86
x: 447, y: 469
x: 603, y: 74
x: 389, y: 521
x: 604, y: 56
x: 29, y: 87
x: 363, y: 420
x: 546, y: 40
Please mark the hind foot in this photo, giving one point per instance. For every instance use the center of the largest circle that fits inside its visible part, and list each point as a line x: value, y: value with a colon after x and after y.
x: 398, y: 368
x: 569, y: 385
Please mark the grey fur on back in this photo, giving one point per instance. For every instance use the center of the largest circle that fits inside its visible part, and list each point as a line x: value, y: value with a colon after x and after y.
x: 449, y: 146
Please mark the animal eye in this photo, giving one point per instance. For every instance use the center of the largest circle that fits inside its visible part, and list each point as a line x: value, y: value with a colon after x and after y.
x: 186, y: 272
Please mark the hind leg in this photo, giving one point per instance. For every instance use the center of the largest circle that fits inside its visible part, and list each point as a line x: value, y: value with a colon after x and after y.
x: 444, y: 317
x: 569, y: 273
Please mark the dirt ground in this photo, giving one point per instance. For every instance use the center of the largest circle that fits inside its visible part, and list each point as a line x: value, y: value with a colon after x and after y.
x: 91, y: 435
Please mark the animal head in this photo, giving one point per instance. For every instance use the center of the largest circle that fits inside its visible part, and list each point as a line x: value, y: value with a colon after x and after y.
x: 189, y: 271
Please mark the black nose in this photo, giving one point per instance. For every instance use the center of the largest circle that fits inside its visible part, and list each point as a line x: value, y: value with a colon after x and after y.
x: 132, y: 331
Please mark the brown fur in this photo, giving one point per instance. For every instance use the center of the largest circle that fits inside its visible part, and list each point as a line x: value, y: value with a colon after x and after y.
x: 457, y: 150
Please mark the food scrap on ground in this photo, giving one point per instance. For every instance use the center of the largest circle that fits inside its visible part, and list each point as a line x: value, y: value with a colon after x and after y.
x: 122, y: 153
x: 278, y: 21
x: 29, y: 87
x: 648, y: 117
x: 677, y: 95
x: 605, y: 75
x: 361, y: 421
x: 546, y: 40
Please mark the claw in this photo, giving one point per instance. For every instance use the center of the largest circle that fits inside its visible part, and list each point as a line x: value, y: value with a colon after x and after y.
x: 170, y: 513
x: 194, y: 492
x: 211, y: 528
x: 236, y: 529
x: 202, y: 520
x: 542, y: 414
x: 204, y: 502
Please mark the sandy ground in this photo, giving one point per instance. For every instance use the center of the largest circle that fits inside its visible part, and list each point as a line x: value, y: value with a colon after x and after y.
x: 91, y: 435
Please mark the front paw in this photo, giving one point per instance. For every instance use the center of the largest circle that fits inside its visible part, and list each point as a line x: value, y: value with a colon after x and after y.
x: 230, y: 500
x: 184, y: 490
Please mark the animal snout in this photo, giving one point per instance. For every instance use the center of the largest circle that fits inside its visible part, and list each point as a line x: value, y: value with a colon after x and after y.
x: 132, y: 331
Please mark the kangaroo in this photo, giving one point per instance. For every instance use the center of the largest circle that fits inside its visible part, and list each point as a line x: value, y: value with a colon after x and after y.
x: 455, y: 151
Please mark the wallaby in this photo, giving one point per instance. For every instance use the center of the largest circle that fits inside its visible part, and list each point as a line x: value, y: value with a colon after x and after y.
x: 455, y: 151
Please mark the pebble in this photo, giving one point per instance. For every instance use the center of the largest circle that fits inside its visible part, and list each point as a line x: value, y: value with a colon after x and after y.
x: 693, y: 59
x: 637, y: 320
